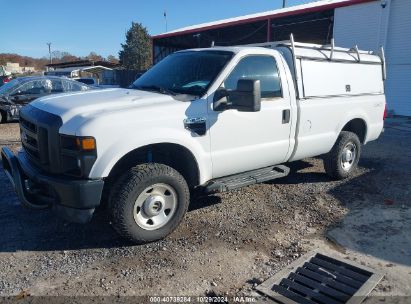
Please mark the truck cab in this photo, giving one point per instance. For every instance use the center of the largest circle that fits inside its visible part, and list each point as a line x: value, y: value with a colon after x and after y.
x: 212, y: 119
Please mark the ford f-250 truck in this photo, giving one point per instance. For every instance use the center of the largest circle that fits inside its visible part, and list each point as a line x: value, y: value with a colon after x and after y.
x: 215, y: 119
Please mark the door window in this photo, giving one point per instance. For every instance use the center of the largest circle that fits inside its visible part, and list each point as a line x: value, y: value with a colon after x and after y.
x: 263, y: 68
x: 71, y: 86
x: 36, y: 87
x: 56, y: 86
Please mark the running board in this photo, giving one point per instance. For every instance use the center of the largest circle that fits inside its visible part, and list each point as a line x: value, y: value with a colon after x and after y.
x: 246, y: 178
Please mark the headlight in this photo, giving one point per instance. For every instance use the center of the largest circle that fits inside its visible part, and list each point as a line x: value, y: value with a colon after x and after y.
x: 77, y: 143
x: 78, y: 154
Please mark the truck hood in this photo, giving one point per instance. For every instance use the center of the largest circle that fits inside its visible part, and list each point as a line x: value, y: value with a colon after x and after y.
x: 91, y: 104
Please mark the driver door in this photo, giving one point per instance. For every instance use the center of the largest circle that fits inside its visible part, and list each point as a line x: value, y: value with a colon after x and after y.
x: 244, y: 141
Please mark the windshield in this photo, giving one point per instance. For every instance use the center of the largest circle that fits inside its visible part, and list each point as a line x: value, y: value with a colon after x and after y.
x: 190, y: 72
x: 6, y: 88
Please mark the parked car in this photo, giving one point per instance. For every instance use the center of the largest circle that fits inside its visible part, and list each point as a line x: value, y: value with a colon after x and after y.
x: 20, y: 91
x: 94, y: 83
x: 87, y: 80
x: 5, y: 79
x: 212, y: 119
x: 5, y: 76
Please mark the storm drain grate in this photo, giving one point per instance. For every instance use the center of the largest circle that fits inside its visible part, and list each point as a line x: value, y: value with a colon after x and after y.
x: 316, y: 278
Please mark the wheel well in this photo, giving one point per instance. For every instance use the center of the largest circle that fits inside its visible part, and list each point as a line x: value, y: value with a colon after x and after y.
x: 357, y: 126
x: 173, y: 155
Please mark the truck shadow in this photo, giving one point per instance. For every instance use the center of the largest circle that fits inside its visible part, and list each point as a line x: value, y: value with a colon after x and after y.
x: 378, y: 219
x: 298, y: 177
x: 200, y: 200
x: 378, y: 222
x: 32, y: 230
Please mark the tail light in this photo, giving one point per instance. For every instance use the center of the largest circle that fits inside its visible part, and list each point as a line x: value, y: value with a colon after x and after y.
x: 5, y: 80
x: 385, y: 112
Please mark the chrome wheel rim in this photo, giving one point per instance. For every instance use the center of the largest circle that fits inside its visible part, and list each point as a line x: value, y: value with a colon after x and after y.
x: 349, y: 155
x: 155, y: 206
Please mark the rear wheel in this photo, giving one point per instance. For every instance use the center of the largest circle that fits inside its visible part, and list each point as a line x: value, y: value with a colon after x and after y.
x: 343, y: 158
x: 148, y: 202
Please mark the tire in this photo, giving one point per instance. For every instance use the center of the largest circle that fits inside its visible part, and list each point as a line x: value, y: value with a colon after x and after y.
x: 339, y: 163
x: 3, y: 117
x: 148, y: 202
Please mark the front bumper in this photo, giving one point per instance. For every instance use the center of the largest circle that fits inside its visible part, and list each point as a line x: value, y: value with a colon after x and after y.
x: 73, y: 199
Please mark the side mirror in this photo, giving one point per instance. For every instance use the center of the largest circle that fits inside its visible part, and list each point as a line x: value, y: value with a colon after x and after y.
x: 246, y: 98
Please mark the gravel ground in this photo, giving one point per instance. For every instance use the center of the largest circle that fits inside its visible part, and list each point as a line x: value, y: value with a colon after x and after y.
x: 227, y: 244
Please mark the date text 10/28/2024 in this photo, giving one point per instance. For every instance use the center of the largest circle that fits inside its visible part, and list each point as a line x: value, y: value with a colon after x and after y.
x: 203, y: 299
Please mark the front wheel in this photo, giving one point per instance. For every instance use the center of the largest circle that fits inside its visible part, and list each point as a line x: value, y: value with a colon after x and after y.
x: 343, y: 158
x: 148, y: 202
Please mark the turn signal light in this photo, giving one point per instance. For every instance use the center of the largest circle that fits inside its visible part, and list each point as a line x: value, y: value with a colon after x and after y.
x: 86, y: 143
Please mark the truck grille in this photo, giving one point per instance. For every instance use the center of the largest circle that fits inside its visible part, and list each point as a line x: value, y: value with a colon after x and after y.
x: 41, y: 139
x: 34, y: 140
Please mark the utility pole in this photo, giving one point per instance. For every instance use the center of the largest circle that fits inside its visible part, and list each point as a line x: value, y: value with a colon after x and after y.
x: 49, y: 44
x: 284, y: 3
x: 165, y: 19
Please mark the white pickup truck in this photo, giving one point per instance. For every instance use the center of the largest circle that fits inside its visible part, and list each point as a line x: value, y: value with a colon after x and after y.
x: 213, y: 119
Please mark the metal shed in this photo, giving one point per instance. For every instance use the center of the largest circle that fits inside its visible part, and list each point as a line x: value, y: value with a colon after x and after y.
x: 366, y: 23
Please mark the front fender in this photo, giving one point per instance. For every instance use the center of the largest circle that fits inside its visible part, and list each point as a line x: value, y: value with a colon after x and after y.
x: 112, y: 153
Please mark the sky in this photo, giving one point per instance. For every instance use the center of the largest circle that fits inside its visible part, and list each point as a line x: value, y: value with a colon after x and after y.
x: 79, y: 27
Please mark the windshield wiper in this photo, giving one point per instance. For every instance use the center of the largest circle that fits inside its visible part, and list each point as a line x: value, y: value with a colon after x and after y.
x: 155, y: 88
x: 189, y: 92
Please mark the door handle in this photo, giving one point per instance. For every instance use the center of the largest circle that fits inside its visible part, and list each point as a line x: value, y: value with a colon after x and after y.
x: 286, y: 116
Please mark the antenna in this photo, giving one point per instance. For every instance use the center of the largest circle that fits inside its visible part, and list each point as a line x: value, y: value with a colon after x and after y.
x: 358, y: 52
x: 332, y: 48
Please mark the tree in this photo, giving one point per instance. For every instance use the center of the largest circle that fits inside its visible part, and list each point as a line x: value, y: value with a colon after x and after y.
x: 93, y: 56
x: 62, y: 56
x: 69, y: 58
x: 136, y: 52
x: 40, y: 63
x: 56, y: 55
x: 112, y: 59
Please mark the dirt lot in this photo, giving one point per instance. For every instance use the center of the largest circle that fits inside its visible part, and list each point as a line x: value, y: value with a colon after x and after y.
x: 228, y: 243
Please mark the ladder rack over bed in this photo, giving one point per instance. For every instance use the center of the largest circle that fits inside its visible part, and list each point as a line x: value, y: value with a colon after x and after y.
x: 328, y: 52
